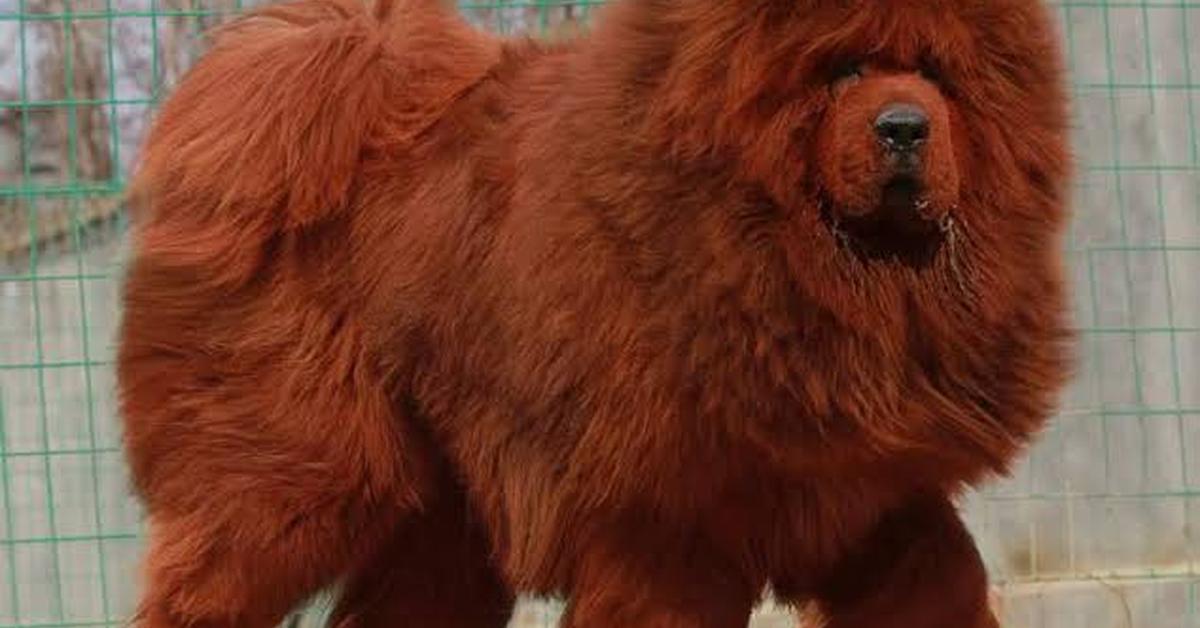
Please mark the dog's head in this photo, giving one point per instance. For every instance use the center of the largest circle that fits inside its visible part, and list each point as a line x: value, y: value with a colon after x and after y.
x: 888, y: 170
x: 895, y: 121
x: 895, y: 168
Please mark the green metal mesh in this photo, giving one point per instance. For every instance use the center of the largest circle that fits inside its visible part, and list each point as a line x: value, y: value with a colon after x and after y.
x: 1096, y: 528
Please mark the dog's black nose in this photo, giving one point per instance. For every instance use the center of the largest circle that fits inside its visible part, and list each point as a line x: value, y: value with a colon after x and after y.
x: 902, y: 127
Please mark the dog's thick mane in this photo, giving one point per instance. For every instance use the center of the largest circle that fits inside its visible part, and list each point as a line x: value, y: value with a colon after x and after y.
x: 678, y: 94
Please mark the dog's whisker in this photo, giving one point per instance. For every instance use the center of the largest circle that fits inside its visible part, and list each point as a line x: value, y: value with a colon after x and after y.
x: 950, y: 229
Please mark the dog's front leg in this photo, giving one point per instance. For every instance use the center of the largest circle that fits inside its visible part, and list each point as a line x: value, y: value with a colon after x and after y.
x: 637, y: 579
x: 919, y: 568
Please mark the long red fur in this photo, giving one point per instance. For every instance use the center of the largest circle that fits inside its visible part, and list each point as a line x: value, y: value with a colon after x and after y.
x: 446, y: 318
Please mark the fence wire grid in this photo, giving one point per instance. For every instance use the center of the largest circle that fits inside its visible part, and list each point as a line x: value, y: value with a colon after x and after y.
x: 1096, y: 529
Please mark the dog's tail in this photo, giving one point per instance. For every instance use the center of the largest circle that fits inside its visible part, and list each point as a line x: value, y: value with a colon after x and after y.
x: 268, y: 131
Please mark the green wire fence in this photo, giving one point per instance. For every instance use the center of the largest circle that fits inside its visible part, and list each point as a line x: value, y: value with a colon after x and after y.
x: 1097, y: 527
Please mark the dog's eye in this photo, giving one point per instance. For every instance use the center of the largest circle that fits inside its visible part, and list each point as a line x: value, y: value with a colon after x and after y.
x: 848, y: 70
x: 930, y: 72
x: 846, y: 74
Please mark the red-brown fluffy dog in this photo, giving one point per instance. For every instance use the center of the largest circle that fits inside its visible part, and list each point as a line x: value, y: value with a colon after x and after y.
x: 728, y: 295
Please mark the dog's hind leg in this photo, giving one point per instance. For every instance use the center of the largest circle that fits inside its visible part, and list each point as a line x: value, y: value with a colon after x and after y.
x: 434, y: 570
x: 244, y: 573
x: 267, y: 472
x: 256, y: 547
x: 634, y: 576
x: 246, y: 545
